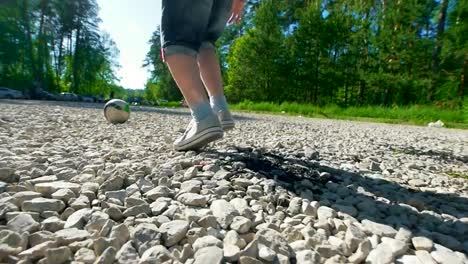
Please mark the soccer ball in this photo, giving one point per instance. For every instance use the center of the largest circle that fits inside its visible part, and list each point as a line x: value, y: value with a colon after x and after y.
x: 117, y: 111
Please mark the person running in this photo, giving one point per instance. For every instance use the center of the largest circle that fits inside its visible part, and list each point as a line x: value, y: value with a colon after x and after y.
x: 189, y: 30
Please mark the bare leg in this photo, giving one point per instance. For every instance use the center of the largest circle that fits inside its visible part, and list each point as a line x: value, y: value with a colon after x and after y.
x: 210, y: 72
x: 184, y: 70
x: 204, y: 126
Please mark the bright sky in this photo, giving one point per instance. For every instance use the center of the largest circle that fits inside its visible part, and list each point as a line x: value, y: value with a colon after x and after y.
x: 131, y: 24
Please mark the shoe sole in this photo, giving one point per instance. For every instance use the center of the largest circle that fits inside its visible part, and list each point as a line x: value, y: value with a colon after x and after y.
x: 207, y: 136
x: 227, y: 125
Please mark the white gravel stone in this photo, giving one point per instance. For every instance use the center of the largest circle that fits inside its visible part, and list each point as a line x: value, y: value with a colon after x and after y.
x: 404, y: 235
x: 425, y: 257
x: 127, y: 254
x: 231, y: 253
x: 354, y: 236
x: 324, y: 212
x: 120, y: 233
x: 408, y: 259
x: 70, y: 235
x: 242, y: 207
x: 144, y: 236
x: 158, y: 207
x: 266, y: 254
x: 52, y: 224
x: 49, y: 188
x: 78, y: 218
x: 191, y: 186
x: 20, y: 197
x: 422, y: 243
x: 43, y: 204
x: 361, y: 253
x: 274, y: 240
x: 207, y: 241
x: 173, y: 231
x: 444, y: 255
x: 107, y: 256
x: 58, y: 255
x: 224, y: 212
x: 380, y: 255
x: 63, y: 194
x: 241, y: 224
x: 37, y: 251
x: 397, y: 247
x: 156, y: 254
x: 85, y: 255
x: 378, y: 229
x: 210, y: 255
x: 308, y: 257
x: 233, y: 238
x: 23, y: 223
x: 192, y: 199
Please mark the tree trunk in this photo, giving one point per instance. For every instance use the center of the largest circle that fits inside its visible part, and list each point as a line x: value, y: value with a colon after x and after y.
x: 317, y: 60
x: 438, y: 47
x: 37, y: 82
x: 41, y: 46
x: 76, y: 78
x: 60, y: 57
x: 463, y: 81
x: 362, y: 89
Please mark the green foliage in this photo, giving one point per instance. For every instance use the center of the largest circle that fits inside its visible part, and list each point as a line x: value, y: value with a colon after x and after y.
x: 348, y: 53
x: 170, y: 104
x: 160, y: 85
x: 256, y: 59
x: 55, y: 45
x: 458, y: 174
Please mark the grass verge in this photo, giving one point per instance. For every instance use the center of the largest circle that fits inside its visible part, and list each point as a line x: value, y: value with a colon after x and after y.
x: 414, y: 115
x: 458, y: 174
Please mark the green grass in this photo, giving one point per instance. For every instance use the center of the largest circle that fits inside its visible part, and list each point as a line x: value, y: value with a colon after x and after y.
x: 458, y: 174
x: 415, y: 115
x: 169, y: 104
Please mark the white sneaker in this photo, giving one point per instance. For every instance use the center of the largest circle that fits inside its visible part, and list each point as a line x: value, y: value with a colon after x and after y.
x: 226, y: 120
x: 199, y: 133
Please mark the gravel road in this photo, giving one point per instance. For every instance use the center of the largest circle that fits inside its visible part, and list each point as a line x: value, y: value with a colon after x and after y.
x: 76, y: 189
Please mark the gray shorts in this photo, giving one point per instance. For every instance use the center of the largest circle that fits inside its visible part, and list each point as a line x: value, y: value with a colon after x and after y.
x: 188, y: 25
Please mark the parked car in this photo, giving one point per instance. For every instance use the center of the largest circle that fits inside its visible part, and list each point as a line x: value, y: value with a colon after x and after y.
x: 43, y: 95
x: 86, y: 98
x: 69, y: 97
x: 10, y: 93
x: 98, y: 99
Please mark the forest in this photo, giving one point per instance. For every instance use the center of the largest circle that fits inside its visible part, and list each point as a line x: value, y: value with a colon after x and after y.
x: 345, y: 53
x: 318, y: 52
x: 56, y: 46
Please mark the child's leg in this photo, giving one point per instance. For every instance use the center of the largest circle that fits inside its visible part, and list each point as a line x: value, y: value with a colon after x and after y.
x: 210, y: 71
x: 183, y: 26
x: 208, y: 61
x: 184, y: 70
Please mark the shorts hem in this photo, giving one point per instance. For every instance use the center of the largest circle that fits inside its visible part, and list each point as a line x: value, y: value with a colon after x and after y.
x: 179, y: 49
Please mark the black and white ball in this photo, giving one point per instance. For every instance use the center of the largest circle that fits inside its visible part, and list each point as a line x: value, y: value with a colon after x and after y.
x: 117, y: 111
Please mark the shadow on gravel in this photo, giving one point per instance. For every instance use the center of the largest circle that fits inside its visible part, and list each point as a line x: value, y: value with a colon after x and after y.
x: 149, y: 109
x: 435, y: 154
x: 375, y: 199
